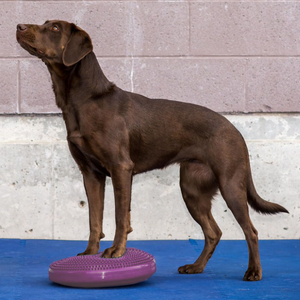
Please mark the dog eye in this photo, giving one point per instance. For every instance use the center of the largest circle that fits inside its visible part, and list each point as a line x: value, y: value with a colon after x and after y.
x: 54, y: 28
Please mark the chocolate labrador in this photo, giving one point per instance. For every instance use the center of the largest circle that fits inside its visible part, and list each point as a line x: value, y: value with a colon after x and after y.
x: 115, y: 133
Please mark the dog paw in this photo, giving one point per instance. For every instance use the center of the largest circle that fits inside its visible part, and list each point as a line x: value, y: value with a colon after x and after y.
x: 113, y: 252
x: 253, y: 275
x: 190, y: 269
x: 88, y: 252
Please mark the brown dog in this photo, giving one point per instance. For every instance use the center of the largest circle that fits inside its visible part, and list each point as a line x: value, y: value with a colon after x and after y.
x: 115, y: 133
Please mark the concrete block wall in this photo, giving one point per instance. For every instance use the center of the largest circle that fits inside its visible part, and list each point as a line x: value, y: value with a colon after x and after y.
x: 232, y: 56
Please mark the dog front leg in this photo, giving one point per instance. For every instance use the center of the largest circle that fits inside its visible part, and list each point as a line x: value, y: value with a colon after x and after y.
x: 94, y: 186
x: 122, y: 181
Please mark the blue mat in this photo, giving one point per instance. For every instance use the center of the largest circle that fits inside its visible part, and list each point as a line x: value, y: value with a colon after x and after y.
x: 24, y: 271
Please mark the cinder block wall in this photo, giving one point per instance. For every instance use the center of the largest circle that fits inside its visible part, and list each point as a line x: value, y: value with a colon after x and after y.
x: 231, y: 56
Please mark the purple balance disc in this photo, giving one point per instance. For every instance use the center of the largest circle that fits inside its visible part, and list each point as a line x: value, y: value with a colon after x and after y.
x: 92, y: 271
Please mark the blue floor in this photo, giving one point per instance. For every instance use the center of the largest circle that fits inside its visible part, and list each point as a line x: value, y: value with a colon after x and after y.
x: 24, y: 271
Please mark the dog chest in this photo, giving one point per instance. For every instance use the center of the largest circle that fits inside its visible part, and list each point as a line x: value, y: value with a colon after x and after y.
x: 83, y: 155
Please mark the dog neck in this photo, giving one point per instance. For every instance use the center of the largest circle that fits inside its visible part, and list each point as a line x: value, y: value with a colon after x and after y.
x: 85, y: 79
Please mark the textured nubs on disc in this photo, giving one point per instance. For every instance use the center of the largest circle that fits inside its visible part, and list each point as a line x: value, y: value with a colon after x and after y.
x: 94, y: 271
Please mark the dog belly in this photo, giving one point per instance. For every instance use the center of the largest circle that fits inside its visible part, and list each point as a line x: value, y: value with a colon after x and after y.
x: 150, y: 164
x: 159, y: 158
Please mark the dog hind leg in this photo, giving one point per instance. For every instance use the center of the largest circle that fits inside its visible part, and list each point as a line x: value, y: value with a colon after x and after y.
x: 234, y: 192
x: 198, y: 186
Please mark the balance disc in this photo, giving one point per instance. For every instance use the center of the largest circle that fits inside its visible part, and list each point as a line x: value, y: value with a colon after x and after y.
x: 93, y: 271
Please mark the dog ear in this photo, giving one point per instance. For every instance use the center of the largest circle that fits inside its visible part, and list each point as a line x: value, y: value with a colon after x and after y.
x: 78, y: 46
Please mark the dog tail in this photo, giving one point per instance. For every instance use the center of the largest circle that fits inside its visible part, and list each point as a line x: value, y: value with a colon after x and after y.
x: 257, y: 203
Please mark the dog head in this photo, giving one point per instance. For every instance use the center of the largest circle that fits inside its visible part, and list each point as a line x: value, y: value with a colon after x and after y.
x: 55, y: 41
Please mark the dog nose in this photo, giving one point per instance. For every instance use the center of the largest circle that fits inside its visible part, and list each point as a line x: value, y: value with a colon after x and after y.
x: 21, y: 27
